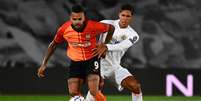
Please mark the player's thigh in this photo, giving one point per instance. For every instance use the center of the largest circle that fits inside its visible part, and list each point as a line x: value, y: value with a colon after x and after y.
x: 121, y: 74
x: 93, y: 73
x: 93, y: 66
x: 76, y: 77
x: 93, y: 81
x: 77, y: 70
x: 125, y: 78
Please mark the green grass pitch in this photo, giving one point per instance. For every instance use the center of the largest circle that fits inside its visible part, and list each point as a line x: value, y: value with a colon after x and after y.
x: 109, y: 98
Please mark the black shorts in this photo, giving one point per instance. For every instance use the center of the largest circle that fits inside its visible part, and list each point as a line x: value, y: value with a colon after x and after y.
x: 81, y: 69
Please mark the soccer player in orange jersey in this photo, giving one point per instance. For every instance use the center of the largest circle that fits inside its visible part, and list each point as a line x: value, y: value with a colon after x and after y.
x: 80, y: 34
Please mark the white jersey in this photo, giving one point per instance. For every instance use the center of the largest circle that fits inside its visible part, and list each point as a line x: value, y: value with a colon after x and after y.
x: 122, y: 39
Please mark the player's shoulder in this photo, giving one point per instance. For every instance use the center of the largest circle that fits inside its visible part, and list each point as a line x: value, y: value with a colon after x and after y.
x: 132, y: 33
x: 66, y: 24
x: 132, y: 30
x: 92, y: 22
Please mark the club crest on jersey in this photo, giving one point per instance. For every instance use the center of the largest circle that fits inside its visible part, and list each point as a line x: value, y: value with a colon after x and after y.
x: 123, y: 37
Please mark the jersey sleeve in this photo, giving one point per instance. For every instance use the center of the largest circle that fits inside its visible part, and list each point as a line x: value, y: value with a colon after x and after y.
x: 125, y: 44
x: 103, y: 36
x: 108, y: 21
x: 101, y: 27
x: 59, y: 34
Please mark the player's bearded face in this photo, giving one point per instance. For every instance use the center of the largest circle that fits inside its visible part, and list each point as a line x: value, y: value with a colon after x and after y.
x: 125, y: 17
x: 77, y: 19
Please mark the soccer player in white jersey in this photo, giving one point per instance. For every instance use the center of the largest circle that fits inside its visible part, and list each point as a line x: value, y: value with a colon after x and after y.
x: 123, y: 38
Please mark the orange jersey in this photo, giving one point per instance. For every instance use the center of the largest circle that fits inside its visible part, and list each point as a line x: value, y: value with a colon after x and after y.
x: 80, y: 44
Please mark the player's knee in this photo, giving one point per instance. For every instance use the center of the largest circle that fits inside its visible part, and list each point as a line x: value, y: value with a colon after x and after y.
x: 134, y: 87
x: 73, y: 90
x: 74, y: 93
x: 93, y: 92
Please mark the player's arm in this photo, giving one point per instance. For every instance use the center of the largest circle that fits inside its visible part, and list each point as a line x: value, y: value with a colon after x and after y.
x: 101, y: 47
x: 125, y: 44
x: 109, y: 34
x: 51, y: 48
x: 48, y: 54
x: 104, y: 37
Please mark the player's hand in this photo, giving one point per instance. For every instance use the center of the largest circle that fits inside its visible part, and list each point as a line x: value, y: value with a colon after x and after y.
x: 100, y: 50
x: 41, y: 71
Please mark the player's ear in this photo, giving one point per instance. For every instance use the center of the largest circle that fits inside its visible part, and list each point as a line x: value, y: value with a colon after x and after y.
x: 119, y: 14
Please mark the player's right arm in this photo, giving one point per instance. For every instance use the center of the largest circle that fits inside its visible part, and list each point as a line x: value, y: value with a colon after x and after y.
x: 102, y: 28
x: 48, y: 54
x: 51, y: 48
x: 125, y: 44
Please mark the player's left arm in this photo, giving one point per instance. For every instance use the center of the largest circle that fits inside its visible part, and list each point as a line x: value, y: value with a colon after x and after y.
x: 102, y: 28
x: 101, y: 47
x: 109, y: 34
x: 125, y: 44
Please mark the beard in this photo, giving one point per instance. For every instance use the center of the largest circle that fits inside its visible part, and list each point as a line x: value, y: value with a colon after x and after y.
x: 78, y: 27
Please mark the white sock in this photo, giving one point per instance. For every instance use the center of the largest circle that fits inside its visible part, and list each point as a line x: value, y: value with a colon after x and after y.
x: 89, y: 97
x: 137, y: 97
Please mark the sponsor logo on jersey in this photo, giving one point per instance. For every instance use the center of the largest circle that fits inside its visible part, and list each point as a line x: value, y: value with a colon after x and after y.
x: 77, y: 44
x: 123, y: 37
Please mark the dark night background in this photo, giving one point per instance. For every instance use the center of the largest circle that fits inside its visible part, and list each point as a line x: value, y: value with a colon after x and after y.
x: 169, y: 30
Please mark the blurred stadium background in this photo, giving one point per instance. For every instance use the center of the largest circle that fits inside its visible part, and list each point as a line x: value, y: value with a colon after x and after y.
x: 169, y: 48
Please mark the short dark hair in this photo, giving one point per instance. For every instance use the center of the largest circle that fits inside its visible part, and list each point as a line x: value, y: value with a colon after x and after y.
x: 77, y: 9
x: 127, y: 7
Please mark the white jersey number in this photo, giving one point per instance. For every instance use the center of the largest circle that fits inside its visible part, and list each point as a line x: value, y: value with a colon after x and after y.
x: 96, y: 64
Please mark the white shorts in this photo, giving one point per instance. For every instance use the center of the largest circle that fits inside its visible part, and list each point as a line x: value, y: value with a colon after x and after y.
x: 116, y: 76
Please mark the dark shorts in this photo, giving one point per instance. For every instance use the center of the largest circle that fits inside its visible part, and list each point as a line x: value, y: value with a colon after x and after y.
x: 81, y: 69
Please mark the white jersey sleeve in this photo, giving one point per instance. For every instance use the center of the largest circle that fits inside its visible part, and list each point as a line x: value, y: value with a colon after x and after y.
x: 130, y: 35
x: 107, y: 21
x: 126, y: 43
